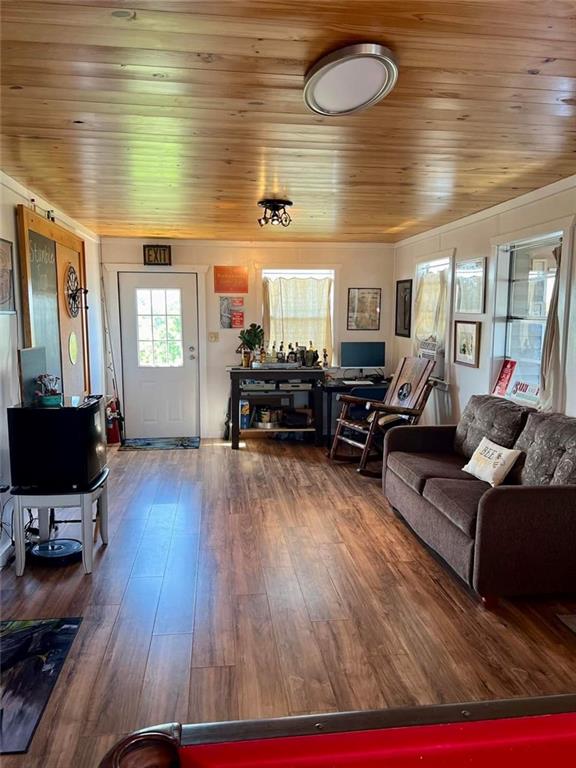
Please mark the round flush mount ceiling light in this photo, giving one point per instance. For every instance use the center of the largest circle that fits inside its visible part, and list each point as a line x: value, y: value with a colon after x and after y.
x: 350, y: 79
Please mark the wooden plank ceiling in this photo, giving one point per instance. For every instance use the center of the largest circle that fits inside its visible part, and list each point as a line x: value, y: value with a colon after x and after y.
x: 175, y: 120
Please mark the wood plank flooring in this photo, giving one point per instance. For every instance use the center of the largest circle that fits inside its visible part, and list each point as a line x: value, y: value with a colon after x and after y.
x: 266, y: 582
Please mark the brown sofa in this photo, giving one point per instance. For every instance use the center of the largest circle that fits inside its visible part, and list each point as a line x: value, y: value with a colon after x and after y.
x: 517, y: 539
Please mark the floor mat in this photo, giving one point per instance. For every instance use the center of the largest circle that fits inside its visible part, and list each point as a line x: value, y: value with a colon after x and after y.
x: 159, y: 443
x: 32, y: 654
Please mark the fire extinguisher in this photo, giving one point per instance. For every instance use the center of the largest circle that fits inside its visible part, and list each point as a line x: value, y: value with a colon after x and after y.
x: 112, y: 422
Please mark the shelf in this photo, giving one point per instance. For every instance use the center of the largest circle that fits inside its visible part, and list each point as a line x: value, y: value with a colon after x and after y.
x: 255, y: 430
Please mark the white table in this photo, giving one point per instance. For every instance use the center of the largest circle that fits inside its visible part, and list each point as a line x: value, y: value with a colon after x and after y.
x: 43, y: 502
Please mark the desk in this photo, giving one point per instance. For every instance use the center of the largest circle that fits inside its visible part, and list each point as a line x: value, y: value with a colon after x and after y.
x: 313, y: 376
x: 526, y: 733
x: 337, y: 388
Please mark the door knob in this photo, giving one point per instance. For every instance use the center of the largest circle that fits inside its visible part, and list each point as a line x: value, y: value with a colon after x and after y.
x: 191, y: 349
x: 192, y: 357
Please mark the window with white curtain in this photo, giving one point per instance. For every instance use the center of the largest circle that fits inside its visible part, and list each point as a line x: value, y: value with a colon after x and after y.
x: 532, y: 339
x: 297, y: 307
x: 431, y: 308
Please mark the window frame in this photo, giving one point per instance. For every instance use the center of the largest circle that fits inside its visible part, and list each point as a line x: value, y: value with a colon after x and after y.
x: 449, y: 256
x: 165, y: 315
x: 563, y: 227
x: 297, y: 270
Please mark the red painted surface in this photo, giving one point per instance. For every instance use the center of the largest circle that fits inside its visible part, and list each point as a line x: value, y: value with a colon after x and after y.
x: 547, y: 741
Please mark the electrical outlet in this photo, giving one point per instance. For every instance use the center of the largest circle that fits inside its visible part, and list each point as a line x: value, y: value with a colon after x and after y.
x: 213, y: 336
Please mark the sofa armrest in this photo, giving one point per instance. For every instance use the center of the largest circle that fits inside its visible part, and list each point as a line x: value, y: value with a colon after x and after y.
x: 526, y: 541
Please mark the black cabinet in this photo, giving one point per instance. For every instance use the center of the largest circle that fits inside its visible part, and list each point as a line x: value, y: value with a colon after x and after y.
x: 57, y: 449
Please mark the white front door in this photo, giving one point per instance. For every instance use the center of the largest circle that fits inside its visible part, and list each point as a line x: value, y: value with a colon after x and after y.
x: 159, y: 325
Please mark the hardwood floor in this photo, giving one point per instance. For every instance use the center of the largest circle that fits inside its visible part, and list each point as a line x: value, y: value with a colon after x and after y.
x: 266, y: 582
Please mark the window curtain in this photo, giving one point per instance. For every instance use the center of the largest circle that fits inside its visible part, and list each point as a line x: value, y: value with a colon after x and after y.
x: 430, y: 311
x: 297, y: 309
x: 550, y: 363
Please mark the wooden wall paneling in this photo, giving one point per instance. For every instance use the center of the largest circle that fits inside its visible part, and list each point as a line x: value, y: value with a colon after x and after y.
x: 176, y: 120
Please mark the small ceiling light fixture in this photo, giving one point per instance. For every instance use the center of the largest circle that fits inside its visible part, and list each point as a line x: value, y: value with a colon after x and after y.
x: 122, y: 13
x: 350, y: 79
x: 275, y: 212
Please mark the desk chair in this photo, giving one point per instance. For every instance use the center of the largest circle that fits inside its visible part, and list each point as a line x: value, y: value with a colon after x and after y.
x: 363, y: 420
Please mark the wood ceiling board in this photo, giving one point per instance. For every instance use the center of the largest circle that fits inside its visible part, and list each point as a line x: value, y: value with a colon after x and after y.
x: 193, y: 110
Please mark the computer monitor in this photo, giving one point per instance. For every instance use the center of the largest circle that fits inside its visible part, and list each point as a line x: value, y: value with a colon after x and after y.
x: 362, y: 354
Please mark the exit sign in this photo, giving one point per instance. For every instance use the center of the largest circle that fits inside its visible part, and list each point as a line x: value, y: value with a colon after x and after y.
x: 158, y: 255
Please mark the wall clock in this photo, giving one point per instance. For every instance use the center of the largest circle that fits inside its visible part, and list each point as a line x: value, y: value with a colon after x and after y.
x: 72, y: 291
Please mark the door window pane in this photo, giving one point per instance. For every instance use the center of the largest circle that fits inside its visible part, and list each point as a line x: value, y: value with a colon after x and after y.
x: 174, y: 328
x: 173, y: 302
x: 159, y: 322
x: 159, y: 327
x: 158, y: 301
x: 145, y: 327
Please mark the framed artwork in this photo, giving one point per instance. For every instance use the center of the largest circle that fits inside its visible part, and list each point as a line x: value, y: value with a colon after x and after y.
x: 231, y: 312
x: 230, y: 279
x: 404, y: 308
x: 470, y: 286
x: 467, y: 343
x: 364, y: 309
x: 7, y: 299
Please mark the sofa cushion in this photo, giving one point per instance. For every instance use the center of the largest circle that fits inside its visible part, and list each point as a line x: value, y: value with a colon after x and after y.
x: 457, y: 499
x: 493, y: 417
x: 549, y: 442
x: 416, y: 468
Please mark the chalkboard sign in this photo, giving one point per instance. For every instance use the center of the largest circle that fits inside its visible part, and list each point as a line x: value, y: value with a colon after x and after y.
x: 44, y: 304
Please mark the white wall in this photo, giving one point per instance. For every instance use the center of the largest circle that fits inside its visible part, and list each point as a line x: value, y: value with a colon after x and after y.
x: 12, y: 194
x: 532, y: 214
x: 356, y: 265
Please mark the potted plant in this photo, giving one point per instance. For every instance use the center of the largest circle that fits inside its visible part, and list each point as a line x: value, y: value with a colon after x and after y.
x: 48, y: 394
x: 251, y: 338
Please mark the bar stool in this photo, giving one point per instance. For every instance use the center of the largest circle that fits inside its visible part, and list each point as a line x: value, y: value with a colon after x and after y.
x: 43, y: 502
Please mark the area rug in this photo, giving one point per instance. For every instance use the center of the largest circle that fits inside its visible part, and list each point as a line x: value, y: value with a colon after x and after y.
x: 569, y: 620
x: 31, y: 656
x: 159, y: 443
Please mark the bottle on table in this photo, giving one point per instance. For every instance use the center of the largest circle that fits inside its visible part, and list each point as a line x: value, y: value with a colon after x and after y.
x: 311, y: 355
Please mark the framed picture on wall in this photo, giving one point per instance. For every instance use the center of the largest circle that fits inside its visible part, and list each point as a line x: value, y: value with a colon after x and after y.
x: 7, y: 299
x: 404, y: 308
x: 470, y: 286
x: 467, y: 343
x: 364, y: 306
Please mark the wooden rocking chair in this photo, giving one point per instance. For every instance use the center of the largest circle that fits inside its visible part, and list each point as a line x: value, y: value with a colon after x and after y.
x: 404, y: 402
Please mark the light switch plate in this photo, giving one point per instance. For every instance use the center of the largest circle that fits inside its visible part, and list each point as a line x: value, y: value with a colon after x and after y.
x: 213, y: 336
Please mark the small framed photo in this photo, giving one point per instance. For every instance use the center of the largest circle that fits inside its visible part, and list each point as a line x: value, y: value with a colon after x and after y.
x: 404, y: 308
x: 470, y: 286
x: 467, y: 343
x: 364, y: 306
x: 7, y: 298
